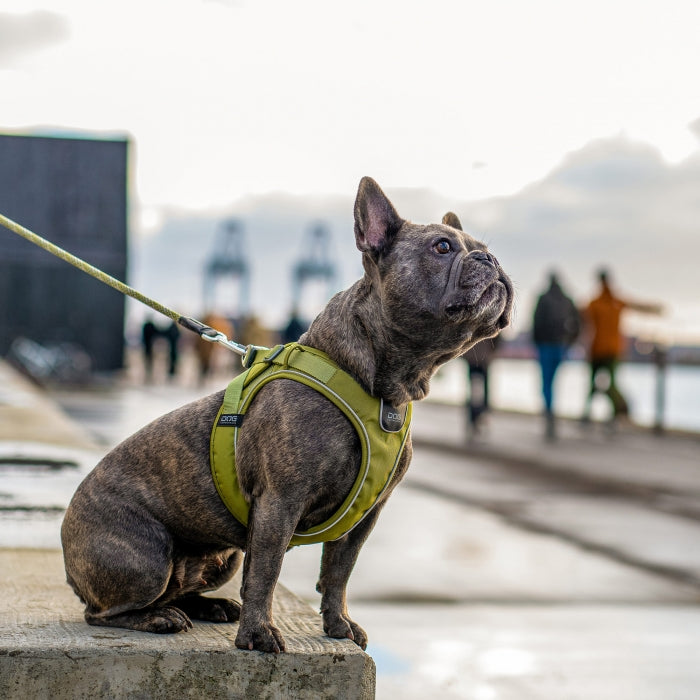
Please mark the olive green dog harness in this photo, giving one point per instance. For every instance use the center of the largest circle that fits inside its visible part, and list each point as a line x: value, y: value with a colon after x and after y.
x: 381, y: 429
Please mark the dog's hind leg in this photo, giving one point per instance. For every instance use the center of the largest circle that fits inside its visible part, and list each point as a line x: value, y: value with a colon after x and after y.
x: 181, y: 601
x: 210, y: 572
x: 137, y: 603
x: 121, y: 576
x: 165, y: 619
x: 200, y: 607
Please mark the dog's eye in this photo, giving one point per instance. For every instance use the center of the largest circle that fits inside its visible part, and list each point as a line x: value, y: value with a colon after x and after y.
x: 442, y: 246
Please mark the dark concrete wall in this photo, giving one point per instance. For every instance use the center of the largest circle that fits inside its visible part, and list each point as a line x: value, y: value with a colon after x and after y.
x: 73, y: 192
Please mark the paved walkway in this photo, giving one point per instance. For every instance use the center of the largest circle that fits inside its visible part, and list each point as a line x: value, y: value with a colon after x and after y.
x: 629, y: 457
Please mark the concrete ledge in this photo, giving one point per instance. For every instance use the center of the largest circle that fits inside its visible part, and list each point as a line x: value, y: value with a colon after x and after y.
x: 48, y: 651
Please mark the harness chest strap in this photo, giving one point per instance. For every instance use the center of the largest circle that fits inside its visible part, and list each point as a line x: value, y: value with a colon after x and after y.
x: 382, y: 432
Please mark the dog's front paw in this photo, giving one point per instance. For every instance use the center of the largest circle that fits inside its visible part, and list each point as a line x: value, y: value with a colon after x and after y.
x: 262, y: 637
x: 342, y: 627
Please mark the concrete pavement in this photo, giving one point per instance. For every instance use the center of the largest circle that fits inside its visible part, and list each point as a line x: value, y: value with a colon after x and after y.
x: 633, y: 496
x: 629, y: 458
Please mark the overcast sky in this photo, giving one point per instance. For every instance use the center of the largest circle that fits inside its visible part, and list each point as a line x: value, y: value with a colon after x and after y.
x: 472, y: 100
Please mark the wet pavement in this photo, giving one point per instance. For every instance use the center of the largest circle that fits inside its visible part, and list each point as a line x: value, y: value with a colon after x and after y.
x: 503, y: 567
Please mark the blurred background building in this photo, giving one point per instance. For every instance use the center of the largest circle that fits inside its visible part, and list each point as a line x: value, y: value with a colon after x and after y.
x: 73, y: 191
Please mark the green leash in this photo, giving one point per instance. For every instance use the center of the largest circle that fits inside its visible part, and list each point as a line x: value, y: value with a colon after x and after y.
x: 205, y: 332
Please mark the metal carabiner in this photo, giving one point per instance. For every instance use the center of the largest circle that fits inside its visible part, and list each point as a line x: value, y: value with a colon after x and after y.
x: 219, y: 337
x: 212, y: 335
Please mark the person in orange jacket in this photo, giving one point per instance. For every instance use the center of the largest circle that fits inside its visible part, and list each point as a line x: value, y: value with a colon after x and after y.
x: 607, y: 344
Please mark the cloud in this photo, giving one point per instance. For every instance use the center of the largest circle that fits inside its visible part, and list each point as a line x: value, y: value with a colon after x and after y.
x: 25, y: 33
x: 615, y: 202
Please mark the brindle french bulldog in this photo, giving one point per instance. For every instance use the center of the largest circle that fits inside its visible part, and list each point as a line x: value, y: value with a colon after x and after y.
x: 147, y: 533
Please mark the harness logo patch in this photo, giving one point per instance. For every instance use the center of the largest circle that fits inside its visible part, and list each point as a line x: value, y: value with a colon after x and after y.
x: 232, y: 420
x: 390, y: 418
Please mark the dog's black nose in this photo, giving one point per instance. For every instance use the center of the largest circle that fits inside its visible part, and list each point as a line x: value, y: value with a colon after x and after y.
x: 485, y: 257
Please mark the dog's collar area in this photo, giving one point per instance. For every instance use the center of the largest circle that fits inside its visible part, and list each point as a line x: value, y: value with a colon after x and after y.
x: 317, y: 364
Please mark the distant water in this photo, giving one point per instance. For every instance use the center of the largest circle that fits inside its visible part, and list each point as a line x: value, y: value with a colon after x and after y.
x: 515, y: 385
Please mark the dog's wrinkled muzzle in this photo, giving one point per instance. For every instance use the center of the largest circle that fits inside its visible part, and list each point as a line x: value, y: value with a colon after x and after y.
x: 455, y: 273
x: 460, y: 278
x: 475, y: 284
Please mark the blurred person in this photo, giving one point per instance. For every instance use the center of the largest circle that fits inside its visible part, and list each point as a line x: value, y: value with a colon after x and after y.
x: 556, y: 325
x: 205, y: 349
x: 478, y: 359
x: 607, y: 344
x: 294, y: 328
x: 149, y: 333
x: 253, y: 332
x: 172, y: 336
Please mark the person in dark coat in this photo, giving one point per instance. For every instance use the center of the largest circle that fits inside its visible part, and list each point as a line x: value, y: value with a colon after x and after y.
x: 294, y: 329
x: 556, y: 326
x: 478, y: 359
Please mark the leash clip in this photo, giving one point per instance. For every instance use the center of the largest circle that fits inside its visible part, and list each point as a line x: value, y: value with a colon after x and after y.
x: 211, y: 335
x: 219, y: 337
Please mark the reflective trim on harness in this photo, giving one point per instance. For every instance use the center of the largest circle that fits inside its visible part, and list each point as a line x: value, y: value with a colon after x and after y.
x: 381, y: 448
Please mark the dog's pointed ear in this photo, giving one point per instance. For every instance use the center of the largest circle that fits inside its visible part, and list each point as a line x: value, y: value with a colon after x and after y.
x: 451, y: 219
x: 376, y: 220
